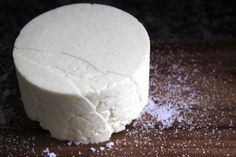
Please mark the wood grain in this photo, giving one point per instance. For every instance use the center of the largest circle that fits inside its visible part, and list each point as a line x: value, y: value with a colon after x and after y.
x: 211, y: 69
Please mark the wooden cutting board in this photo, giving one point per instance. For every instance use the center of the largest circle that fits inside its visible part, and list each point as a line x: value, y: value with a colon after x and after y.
x: 199, y: 74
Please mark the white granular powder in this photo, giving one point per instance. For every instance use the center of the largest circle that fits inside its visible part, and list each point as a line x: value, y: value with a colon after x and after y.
x: 110, y: 145
x: 73, y: 142
x: 52, y: 154
x: 93, y: 149
x: 47, y: 153
x: 166, y: 113
x: 101, y: 148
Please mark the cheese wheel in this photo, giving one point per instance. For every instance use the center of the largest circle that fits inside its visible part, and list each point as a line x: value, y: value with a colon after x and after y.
x: 83, y: 71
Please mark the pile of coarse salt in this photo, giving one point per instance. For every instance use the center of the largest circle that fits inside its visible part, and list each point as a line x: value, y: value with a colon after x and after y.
x: 166, y: 113
x: 172, y: 95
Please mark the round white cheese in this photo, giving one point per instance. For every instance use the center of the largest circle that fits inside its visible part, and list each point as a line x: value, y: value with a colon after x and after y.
x: 83, y: 71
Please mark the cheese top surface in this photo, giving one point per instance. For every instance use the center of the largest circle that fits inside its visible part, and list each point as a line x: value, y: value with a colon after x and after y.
x: 85, y: 41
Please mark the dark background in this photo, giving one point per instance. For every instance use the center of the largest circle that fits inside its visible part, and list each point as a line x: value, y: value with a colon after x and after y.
x: 162, y: 18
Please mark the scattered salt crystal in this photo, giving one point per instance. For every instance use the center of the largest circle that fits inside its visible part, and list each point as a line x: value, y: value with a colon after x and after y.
x: 69, y: 143
x: 46, y: 150
x: 231, y: 123
x: 110, y: 145
x: 51, y: 154
x: 73, y: 142
x: 101, y: 148
x: 48, y: 153
x: 93, y: 149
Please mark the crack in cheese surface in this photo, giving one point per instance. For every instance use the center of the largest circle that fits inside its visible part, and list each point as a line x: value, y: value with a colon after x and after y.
x: 83, y: 71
